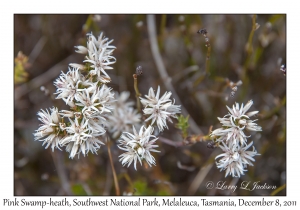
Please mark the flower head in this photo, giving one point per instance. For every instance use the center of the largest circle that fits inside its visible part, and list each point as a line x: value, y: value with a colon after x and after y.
x: 235, y: 159
x: 50, y: 127
x: 80, y: 138
x: 123, y: 115
x: 67, y: 84
x: 159, y: 109
x: 138, y: 146
x: 99, y: 55
x: 122, y: 120
x: 234, y: 124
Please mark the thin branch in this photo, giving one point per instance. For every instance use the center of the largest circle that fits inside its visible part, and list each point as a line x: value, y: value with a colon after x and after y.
x: 37, y: 49
x: 170, y: 142
x: 113, y: 169
x: 249, y: 50
x: 276, y: 191
x: 108, y: 181
x: 162, y: 70
x: 201, y: 174
x: 86, y: 188
x: 61, y: 171
x: 207, y: 44
x: 137, y: 93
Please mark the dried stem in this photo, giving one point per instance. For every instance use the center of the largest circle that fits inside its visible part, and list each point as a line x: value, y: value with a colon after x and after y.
x: 170, y: 142
x: 61, y: 171
x: 162, y: 30
x: 108, y: 181
x: 113, y: 169
x: 278, y: 189
x: 137, y: 93
x: 249, y: 48
x: 207, y: 60
x: 201, y: 174
x: 207, y: 44
x: 37, y: 49
x: 162, y: 70
x: 275, y: 110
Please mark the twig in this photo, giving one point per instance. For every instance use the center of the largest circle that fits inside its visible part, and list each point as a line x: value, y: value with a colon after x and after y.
x: 113, y: 169
x: 162, y: 30
x: 207, y: 44
x: 201, y: 175
x: 275, y: 110
x: 249, y: 49
x: 162, y: 71
x: 37, y: 49
x: 170, y: 142
x: 62, y: 175
x: 86, y: 188
x: 108, y: 181
x: 137, y: 93
x: 278, y: 189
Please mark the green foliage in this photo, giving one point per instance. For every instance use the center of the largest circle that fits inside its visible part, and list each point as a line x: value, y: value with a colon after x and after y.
x: 141, y: 188
x: 77, y: 189
x: 183, y: 125
x: 21, y: 63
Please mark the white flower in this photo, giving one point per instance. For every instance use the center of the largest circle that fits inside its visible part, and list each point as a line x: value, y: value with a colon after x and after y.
x: 106, y: 98
x: 122, y: 120
x: 240, y: 118
x: 235, y: 159
x: 122, y: 100
x: 78, y: 134
x: 95, y: 123
x: 123, y: 115
x: 99, y: 55
x: 247, y: 156
x: 159, y: 109
x: 67, y: 84
x: 235, y: 123
x: 138, y: 146
x: 49, y: 130
x: 91, y: 144
x: 230, y: 161
x: 88, y: 102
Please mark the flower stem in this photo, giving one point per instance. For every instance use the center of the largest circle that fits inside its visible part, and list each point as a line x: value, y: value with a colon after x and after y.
x: 61, y: 171
x: 207, y: 63
x: 274, y: 192
x: 137, y: 93
x: 113, y: 169
x: 207, y: 44
x: 249, y: 50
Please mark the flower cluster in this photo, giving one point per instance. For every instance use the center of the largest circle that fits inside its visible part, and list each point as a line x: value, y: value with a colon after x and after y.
x: 138, y: 146
x: 99, y: 56
x: 90, y: 100
x: 233, y: 140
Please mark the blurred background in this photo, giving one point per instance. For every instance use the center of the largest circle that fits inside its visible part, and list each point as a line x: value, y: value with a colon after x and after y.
x: 242, y: 47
